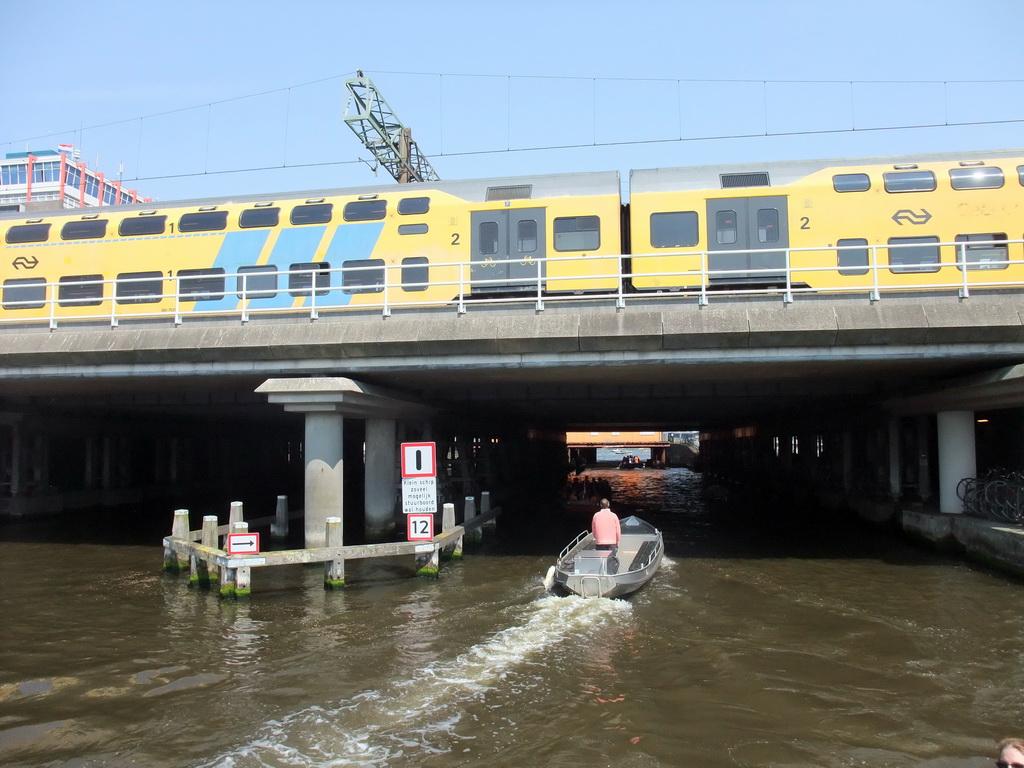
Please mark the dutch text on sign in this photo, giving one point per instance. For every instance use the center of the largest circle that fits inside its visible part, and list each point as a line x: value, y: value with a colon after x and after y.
x: 420, y: 527
x: 419, y: 495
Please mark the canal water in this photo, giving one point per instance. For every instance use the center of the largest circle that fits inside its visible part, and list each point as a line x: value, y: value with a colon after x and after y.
x: 772, y: 636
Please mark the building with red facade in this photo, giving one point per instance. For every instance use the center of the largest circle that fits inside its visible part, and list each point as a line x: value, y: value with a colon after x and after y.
x: 54, y: 178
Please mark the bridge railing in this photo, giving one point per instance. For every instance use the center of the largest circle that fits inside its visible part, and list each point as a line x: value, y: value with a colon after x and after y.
x: 870, y: 270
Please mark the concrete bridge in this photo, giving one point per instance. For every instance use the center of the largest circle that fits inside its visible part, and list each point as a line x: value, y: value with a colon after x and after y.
x: 839, y: 392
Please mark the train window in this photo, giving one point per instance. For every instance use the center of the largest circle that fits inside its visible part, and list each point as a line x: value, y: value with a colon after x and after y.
x: 851, y: 182
x: 259, y: 217
x: 985, y: 177
x: 676, y: 229
x: 201, y: 284
x: 362, y: 275
x: 909, y: 181
x: 365, y: 210
x: 487, y: 238
x: 982, y: 251
x: 415, y: 274
x: 577, y: 233
x: 87, y: 229
x: 80, y: 291
x: 257, y: 282
x: 767, y: 225
x: 301, y: 278
x: 412, y: 229
x: 142, y: 225
x: 139, y: 287
x: 317, y: 213
x: 526, y: 236
x: 725, y: 227
x: 410, y: 205
x: 28, y: 233
x: 913, y: 254
x: 24, y: 293
x: 204, y: 221
x: 852, y: 256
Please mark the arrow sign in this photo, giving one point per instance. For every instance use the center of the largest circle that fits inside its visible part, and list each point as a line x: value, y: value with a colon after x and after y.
x: 904, y: 216
x: 25, y: 262
x: 243, y: 543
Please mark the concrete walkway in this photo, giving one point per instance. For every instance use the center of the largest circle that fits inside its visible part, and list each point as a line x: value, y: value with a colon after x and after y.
x: 994, y: 544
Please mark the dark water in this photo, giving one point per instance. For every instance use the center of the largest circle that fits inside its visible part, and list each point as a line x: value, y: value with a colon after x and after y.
x: 771, y: 637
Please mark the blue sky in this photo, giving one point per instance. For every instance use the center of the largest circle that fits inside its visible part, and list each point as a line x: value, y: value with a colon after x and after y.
x: 178, y: 96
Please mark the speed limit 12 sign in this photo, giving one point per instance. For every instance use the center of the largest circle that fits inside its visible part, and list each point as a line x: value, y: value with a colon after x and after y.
x: 421, y: 527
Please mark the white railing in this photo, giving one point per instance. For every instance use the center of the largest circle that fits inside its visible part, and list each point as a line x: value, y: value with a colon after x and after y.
x: 311, y: 292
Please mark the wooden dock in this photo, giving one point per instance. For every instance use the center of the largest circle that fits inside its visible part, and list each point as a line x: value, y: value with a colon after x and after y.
x: 200, y: 551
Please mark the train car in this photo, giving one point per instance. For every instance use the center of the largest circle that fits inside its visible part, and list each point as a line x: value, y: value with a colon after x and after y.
x: 422, y: 243
x: 883, y: 223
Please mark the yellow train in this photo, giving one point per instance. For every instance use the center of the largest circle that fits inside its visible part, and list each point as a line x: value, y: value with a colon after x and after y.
x: 930, y: 221
x: 913, y: 222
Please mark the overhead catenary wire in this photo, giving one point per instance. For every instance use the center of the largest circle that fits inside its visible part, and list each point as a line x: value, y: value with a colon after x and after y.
x: 509, y: 148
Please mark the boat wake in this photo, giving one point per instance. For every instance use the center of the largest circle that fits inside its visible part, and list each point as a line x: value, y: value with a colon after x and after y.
x: 410, y: 719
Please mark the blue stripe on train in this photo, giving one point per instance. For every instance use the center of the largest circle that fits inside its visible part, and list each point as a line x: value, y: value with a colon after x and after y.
x: 293, y: 246
x: 350, y: 243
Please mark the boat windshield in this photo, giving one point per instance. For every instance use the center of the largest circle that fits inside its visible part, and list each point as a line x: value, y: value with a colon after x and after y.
x: 633, y: 524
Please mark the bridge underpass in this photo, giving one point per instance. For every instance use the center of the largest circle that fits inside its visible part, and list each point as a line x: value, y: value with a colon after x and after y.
x: 849, y: 377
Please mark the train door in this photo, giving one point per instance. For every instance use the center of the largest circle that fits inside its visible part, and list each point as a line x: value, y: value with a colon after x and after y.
x: 739, y: 231
x: 505, y: 248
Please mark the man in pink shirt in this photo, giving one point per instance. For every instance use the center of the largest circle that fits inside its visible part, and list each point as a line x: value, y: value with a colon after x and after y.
x: 605, y: 526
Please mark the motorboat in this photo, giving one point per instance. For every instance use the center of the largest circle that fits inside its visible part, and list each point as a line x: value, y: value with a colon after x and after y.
x: 584, y: 570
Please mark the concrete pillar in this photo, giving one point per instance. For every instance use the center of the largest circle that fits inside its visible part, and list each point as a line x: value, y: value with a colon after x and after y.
x: 956, y: 456
x: 40, y: 463
x: 15, y: 459
x: 469, y: 514
x: 106, y: 466
x: 124, y: 463
x: 895, y: 469
x: 379, y: 490
x: 89, y: 461
x: 324, y: 478
x: 325, y: 401
x: 279, y: 528
x: 847, y: 461
x: 924, y: 475
x: 172, y: 460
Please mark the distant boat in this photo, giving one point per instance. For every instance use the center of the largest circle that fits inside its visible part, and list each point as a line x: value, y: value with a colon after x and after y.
x: 584, y: 570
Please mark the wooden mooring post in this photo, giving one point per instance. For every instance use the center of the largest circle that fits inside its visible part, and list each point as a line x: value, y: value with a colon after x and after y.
x: 211, y: 565
x: 334, y: 570
x: 173, y: 561
x: 203, y: 572
x: 236, y: 581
